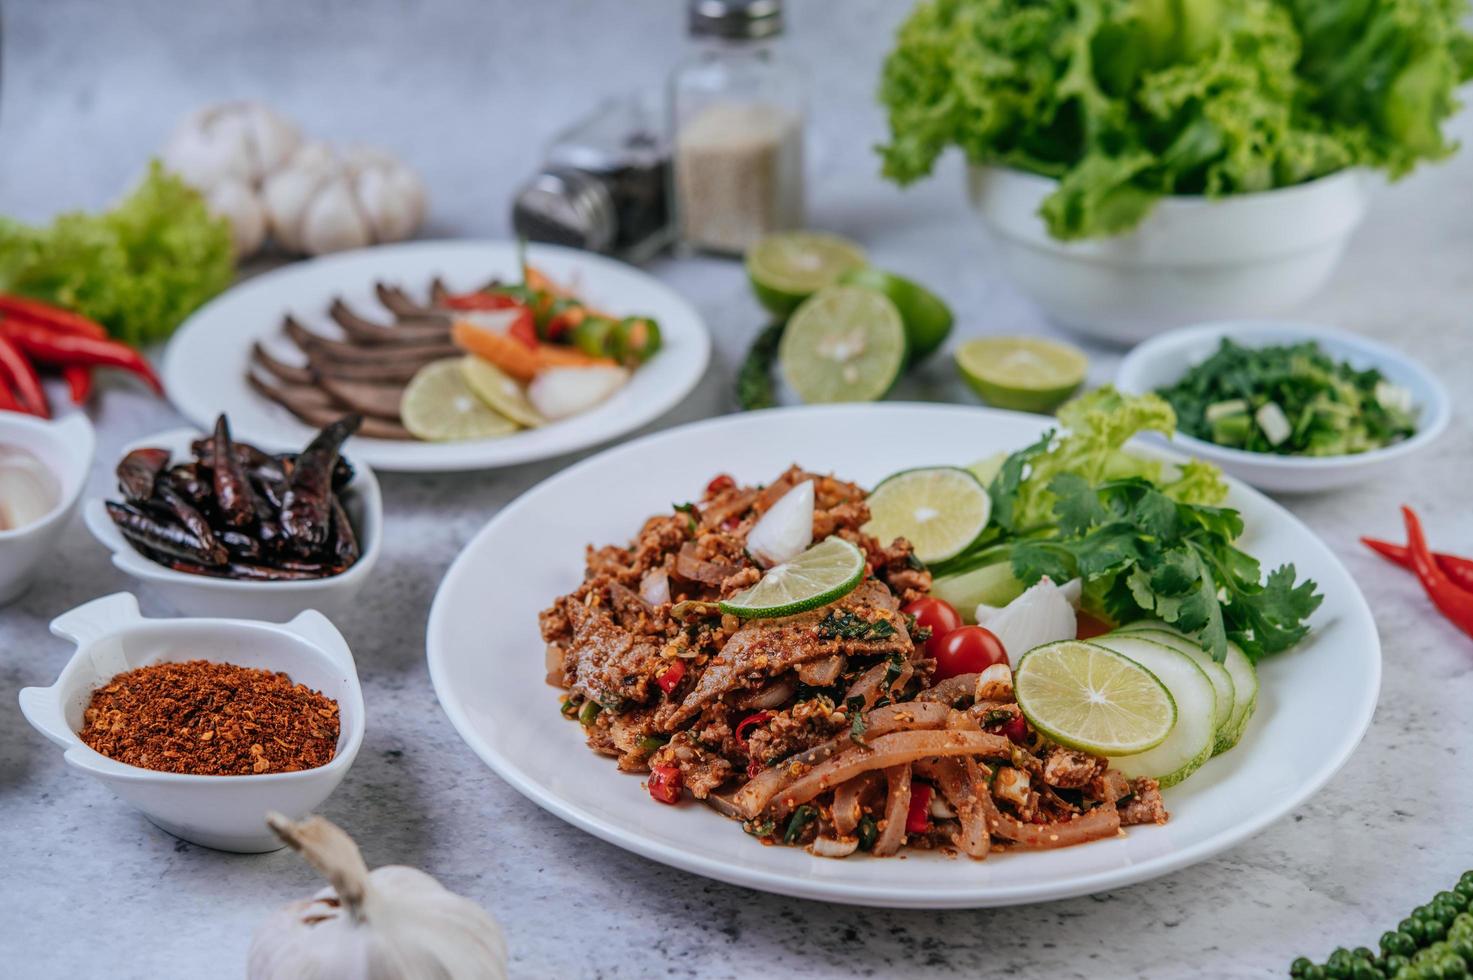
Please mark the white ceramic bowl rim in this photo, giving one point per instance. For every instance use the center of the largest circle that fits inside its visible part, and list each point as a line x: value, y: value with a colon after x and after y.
x: 88, y: 624
x: 72, y: 477
x: 126, y: 557
x: 1202, y: 200
x: 1433, y: 415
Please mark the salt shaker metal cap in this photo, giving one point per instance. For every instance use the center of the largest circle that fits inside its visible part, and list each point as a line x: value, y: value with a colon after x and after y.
x: 747, y: 20
x: 566, y: 207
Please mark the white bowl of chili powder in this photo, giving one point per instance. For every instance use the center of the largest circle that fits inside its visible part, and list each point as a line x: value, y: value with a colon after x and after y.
x: 293, y: 766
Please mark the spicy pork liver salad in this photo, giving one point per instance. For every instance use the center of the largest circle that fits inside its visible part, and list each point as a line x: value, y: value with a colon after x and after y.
x: 795, y: 689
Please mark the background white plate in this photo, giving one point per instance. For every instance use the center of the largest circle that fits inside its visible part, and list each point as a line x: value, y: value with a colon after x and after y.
x: 205, y: 365
x: 486, y: 662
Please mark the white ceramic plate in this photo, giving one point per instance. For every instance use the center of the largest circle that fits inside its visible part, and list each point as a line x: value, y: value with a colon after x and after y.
x: 1161, y: 362
x: 205, y: 366
x: 486, y: 662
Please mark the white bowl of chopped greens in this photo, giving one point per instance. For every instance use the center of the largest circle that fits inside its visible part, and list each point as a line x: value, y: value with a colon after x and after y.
x: 1290, y: 407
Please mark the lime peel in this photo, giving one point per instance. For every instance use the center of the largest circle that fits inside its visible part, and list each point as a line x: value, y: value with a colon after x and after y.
x: 824, y: 573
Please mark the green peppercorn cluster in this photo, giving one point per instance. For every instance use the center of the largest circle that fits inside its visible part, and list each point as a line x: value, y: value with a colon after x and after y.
x: 1435, y: 942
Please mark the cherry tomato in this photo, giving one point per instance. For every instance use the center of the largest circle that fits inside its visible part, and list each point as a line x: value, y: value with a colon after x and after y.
x: 918, y: 818
x: 968, y: 650
x: 669, y: 678
x: 665, y: 784
x: 481, y: 301
x: 936, y: 615
x: 720, y: 482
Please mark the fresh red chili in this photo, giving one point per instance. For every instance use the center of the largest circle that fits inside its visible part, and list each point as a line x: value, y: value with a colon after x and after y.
x: 480, y: 301
x: 63, y: 349
x: 1015, y: 728
x: 78, y: 381
x: 1452, y: 601
x: 18, y: 371
x: 7, y: 399
x: 670, y: 677
x: 665, y: 784
x: 54, y: 317
x: 1459, y: 569
x: 721, y: 482
x: 748, y: 723
x: 918, y: 817
x: 754, y: 768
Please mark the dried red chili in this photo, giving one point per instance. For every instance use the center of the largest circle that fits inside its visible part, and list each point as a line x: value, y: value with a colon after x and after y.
x: 211, y: 719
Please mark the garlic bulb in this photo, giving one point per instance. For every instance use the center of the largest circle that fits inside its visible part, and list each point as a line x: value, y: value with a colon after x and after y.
x: 319, y: 202
x: 394, y: 923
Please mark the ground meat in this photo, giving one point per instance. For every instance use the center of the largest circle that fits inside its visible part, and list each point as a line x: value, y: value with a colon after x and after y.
x: 701, y: 770
x: 896, y: 566
x: 1144, y: 804
x: 802, y: 727
x: 1068, y: 769
x: 848, y: 516
x: 1109, y: 786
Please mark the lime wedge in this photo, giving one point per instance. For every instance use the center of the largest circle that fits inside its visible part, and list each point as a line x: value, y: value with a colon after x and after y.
x: 1092, y: 699
x: 1023, y: 373
x: 787, y: 268
x: 927, y: 320
x: 828, y: 571
x: 499, y: 391
x: 939, y: 510
x: 844, y: 344
x: 438, y: 406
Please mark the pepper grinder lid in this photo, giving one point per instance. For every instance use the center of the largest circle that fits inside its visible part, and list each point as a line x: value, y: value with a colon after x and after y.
x: 744, y: 20
x: 563, y: 206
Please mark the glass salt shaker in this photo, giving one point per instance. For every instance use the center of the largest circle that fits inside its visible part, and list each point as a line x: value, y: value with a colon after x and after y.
x: 604, y: 185
x: 737, y: 112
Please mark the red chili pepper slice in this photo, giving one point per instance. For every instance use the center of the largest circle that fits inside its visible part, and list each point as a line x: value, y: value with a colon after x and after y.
x: 1459, y: 569
x: 1015, y: 728
x: 670, y: 677
x: 918, y: 817
x: 754, y: 769
x: 748, y: 723
x: 719, y: 483
x: 53, y: 317
x: 1451, y: 601
x: 17, y: 370
x: 665, y: 784
x: 480, y: 301
x: 8, y: 402
x: 524, y: 328
x: 63, y: 349
x: 78, y: 381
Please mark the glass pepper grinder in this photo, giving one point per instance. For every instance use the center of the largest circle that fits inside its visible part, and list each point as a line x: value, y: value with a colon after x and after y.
x: 737, y: 110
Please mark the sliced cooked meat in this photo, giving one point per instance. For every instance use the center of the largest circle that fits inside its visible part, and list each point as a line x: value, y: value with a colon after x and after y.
x: 350, y: 353
x: 365, y: 331
x: 695, y: 569
x: 316, y: 407
x: 293, y: 396
x: 377, y: 400
x: 610, y: 664
x: 292, y: 374
x: 822, y: 673
x: 438, y: 293
x: 398, y: 303
x: 383, y: 372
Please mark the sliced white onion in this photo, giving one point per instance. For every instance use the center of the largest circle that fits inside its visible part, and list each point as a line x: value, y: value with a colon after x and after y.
x: 1042, y: 614
x: 654, y: 588
x: 560, y: 392
x: 28, y: 489
x: 786, y: 530
x: 830, y: 847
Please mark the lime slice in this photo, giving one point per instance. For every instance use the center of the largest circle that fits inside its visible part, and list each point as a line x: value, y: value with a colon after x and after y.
x: 1092, y: 699
x: 499, y: 391
x: 927, y: 320
x: 1023, y: 373
x: 787, y: 268
x: 939, y: 510
x: 828, y: 571
x: 844, y: 344
x: 438, y: 406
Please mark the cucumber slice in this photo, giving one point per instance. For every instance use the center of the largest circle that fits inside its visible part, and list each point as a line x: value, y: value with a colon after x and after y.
x: 1240, y: 669
x: 1191, y: 741
x: 990, y: 585
x: 1222, y: 681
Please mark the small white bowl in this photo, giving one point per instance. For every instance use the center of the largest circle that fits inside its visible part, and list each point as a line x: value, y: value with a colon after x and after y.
x: 1161, y: 362
x: 204, y: 595
x: 1191, y: 259
x: 65, y: 447
x: 223, y: 812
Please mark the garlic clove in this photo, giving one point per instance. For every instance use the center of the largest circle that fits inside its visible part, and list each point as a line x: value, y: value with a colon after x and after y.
x: 273, y: 138
x: 332, y: 220
x: 233, y: 200
x: 207, y: 148
x: 288, y: 192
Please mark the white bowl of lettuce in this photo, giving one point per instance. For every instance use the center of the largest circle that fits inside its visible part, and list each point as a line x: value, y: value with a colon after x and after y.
x: 1142, y: 166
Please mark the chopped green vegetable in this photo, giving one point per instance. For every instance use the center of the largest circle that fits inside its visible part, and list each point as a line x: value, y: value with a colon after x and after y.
x: 1125, y: 101
x: 802, y: 817
x: 138, y: 269
x: 589, y: 713
x: 1289, y: 399
x: 868, y: 832
x: 754, y: 386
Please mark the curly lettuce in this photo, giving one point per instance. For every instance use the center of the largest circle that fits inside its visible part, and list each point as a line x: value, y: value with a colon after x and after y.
x: 1125, y: 101
x: 138, y: 269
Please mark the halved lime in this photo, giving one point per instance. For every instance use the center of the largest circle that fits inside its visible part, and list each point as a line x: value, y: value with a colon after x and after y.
x: 927, y: 320
x: 1028, y: 374
x: 787, y: 268
x: 844, y: 344
x: 939, y: 510
x: 824, y: 573
x: 439, y: 406
x: 499, y: 391
x: 1093, y: 699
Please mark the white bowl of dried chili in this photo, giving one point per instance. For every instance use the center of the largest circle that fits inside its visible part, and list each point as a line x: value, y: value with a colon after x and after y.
x: 203, y: 595
x: 226, y: 812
